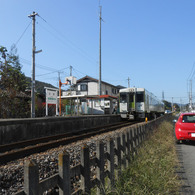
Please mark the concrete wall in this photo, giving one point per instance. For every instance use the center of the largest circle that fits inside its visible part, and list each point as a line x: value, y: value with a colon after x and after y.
x: 14, y: 130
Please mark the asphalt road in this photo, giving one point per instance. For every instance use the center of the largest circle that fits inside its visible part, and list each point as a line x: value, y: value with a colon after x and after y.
x: 186, y: 155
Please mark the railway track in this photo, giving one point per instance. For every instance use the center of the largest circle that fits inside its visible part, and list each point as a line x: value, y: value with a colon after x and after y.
x: 10, y: 152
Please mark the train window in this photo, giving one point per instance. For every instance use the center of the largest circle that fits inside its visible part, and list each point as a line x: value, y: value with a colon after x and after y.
x: 131, y: 99
x: 139, y: 97
x: 123, y: 97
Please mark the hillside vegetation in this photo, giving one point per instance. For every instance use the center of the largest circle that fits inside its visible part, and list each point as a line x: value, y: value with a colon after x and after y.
x: 39, y: 86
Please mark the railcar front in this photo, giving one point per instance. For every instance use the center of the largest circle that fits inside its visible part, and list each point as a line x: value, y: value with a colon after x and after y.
x: 138, y: 103
x: 127, y: 103
x: 132, y: 105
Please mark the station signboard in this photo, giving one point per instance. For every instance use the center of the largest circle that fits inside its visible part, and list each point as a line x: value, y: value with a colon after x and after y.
x: 51, y: 98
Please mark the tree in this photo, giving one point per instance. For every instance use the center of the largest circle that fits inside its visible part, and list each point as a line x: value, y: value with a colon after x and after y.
x: 13, y: 100
x: 168, y: 105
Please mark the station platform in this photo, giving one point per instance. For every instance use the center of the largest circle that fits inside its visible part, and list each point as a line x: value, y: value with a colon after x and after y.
x: 15, y: 130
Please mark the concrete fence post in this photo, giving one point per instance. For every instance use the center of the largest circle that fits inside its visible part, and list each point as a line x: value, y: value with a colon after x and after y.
x: 100, y: 167
x: 31, y: 178
x: 118, y: 156
x: 85, y: 170
x: 135, y: 140
x: 128, y: 152
x: 110, y: 149
x: 151, y: 127
x: 123, y: 151
x: 131, y: 143
x: 147, y: 130
x: 143, y: 132
x: 137, y: 137
x: 64, y: 173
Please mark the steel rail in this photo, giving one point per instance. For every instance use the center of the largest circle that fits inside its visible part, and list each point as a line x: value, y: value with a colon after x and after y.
x: 29, y: 147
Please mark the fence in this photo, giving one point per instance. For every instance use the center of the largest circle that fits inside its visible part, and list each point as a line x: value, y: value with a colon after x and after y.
x: 108, y: 164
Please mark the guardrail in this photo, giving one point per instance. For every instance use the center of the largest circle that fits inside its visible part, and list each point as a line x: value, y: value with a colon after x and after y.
x: 120, y: 152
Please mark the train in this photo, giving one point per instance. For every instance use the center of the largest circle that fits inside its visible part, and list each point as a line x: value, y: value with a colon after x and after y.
x: 139, y: 104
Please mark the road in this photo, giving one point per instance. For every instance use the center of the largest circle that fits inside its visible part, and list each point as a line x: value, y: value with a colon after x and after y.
x: 186, y: 154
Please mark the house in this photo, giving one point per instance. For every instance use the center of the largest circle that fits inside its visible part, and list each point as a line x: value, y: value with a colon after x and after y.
x: 90, y: 86
x: 87, y: 90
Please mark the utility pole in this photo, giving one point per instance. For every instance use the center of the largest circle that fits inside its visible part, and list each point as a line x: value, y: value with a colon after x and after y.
x: 33, y: 65
x: 70, y: 70
x: 4, y: 56
x: 172, y: 104
x: 100, y: 71
x: 128, y: 82
x: 190, y: 94
x: 163, y: 95
x: 59, y: 75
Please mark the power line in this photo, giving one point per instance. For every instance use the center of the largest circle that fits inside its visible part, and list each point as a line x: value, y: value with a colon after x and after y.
x: 23, y: 33
x: 38, y: 65
x: 51, y: 72
x: 46, y: 74
x: 73, y: 45
x: 79, y: 72
x: 192, y: 72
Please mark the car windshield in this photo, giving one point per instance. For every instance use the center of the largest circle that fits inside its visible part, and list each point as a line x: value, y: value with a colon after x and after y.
x: 188, y: 119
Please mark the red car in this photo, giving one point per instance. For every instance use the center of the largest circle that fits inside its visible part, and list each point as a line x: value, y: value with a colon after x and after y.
x: 185, y: 127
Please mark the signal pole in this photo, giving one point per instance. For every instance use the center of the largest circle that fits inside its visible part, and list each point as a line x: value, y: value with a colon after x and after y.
x: 33, y: 65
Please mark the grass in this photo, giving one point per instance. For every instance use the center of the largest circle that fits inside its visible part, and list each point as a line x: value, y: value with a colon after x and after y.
x: 153, y: 169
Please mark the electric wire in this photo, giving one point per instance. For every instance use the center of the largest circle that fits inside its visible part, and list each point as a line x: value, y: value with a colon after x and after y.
x: 43, y: 67
x: 38, y: 65
x: 73, y: 45
x: 192, y: 72
x: 79, y: 72
x: 51, y: 72
x: 23, y: 33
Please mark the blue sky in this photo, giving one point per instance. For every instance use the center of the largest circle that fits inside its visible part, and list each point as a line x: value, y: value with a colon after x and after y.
x: 150, y: 41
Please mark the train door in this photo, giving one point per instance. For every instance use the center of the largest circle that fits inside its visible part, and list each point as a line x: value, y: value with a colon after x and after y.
x: 131, y: 102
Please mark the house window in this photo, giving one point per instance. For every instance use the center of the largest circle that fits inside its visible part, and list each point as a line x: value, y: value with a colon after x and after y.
x: 83, y: 88
x: 114, y: 91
